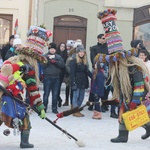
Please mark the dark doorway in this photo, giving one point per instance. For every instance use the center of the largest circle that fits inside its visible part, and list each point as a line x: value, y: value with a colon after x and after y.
x: 69, y: 28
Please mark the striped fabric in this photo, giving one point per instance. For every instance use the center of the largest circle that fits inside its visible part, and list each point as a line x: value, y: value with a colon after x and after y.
x: 138, y: 88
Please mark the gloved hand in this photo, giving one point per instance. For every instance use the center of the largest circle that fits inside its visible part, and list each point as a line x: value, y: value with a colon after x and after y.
x: 60, y: 115
x: 134, y: 103
x: 53, y: 61
x: 40, y: 108
x: 42, y: 114
x: 23, y: 68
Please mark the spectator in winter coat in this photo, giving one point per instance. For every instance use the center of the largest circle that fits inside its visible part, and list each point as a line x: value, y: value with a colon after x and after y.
x: 52, y: 71
x: 7, y: 47
x: 138, y: 44
x: 79, y: 77
x: 97, y: 88
x: 17, y: 44
x: 101, y: 47
x: 62, y: 51
x: 68, y: 90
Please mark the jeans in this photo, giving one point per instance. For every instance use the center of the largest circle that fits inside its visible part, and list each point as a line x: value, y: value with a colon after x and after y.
x: 51, y: 84
x: 78, y: 97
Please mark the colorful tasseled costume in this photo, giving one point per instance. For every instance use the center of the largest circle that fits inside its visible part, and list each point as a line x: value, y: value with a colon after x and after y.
x: 129, y: 75
x: 14, y: 114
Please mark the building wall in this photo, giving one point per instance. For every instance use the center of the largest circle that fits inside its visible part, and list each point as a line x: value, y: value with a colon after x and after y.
x: 48, y: 9
x: 20, y: 10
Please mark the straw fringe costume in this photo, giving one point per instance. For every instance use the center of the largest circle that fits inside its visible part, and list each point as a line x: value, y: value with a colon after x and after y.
x: 129, y: 75
x: 28, y: 57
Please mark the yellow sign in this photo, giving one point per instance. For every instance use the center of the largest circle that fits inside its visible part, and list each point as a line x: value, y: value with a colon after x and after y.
x: 136, y: 118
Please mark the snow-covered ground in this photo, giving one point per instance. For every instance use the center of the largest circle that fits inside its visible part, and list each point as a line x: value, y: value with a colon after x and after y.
x: 95, y: 134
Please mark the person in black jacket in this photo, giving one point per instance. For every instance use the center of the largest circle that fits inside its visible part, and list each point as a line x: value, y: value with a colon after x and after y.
x: 51, y: 71
x: 138, y: 44
x: 17, y: 44
x: 62, y: 51
x: 101, y: 47
x: 7, y: 47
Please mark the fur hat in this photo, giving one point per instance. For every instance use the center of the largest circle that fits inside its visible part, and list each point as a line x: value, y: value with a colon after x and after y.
x: 80, y: 48
x: 17, y: 40
x: 35, y: 43
x: 77, y: 42
x: 70, y: 43
x: 112, y: 35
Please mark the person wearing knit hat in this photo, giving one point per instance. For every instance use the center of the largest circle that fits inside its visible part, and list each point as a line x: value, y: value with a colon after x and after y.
x: 52, y: 71
x: 7, y: 47
x: 17, y: 41
x: 79, y: 73
x: 69, y: 45
x: 140, y: 46
x: 28, y: 58
x: 80, y: 48
x: 128, y: 74
x: 17, y: 44
x: 52, y: 45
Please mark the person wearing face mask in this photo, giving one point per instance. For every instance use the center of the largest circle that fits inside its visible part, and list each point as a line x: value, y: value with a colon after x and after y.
x: 79, y: 73
x: 51, y: 82
x: 17, y: 44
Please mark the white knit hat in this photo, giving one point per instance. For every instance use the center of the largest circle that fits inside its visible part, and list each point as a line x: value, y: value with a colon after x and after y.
x: 17, y: 40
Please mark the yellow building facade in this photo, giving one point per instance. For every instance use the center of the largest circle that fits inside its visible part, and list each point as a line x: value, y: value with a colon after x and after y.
x: 59, y: 15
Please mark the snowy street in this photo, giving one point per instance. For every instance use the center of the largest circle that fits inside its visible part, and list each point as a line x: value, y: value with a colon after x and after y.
x: 95, y: 134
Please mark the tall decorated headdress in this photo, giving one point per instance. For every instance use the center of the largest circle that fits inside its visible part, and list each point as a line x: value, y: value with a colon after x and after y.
x: 113, y: 38
x: 37, y: 38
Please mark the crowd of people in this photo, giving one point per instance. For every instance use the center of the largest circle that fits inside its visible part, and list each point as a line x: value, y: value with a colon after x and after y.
x: 123, y: 73
x: 68, y: 63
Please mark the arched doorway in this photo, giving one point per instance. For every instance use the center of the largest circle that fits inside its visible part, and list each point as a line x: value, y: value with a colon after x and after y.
x: 141, y: 25
x: 69, y: 28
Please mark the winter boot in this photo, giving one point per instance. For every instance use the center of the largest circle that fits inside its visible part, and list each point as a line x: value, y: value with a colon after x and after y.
x: 122, y: 137
x: 147, y: 134
x: 103, y: 109
x: 90, y: 107
x: 59, y: 102
x: 113, y: 114
x: 66, y: 103
x: 82, y: 115
x: 78, y: 114
x: 97, y: 115
x: 25, y: 139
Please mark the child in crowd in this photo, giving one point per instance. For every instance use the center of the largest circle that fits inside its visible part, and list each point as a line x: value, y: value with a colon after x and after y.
x: 97, y: 88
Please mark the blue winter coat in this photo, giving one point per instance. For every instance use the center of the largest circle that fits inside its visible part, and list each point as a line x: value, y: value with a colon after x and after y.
x: 97, y: 85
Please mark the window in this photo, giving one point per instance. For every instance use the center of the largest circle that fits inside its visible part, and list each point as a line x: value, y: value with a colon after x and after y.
x: 141, y: 24
x: 142, y: 32
x: 5, y: 28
